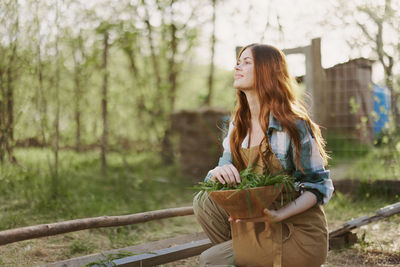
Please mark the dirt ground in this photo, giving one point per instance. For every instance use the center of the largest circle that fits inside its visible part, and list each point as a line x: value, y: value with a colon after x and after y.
x: 336, y: 258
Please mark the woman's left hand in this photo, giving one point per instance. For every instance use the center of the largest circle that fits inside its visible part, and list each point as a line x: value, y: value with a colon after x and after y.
x: 271, y: 216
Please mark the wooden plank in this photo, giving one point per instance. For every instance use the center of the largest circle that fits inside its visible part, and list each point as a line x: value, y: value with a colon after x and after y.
x: 30, y: 232
x: 138, y: 249
x: 166, y: 255
x: 343, y: 240
x: 296, y: 50
x: 355, y: 223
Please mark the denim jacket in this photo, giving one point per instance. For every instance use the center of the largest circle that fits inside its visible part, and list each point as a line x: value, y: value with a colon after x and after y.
x: 314, y: 179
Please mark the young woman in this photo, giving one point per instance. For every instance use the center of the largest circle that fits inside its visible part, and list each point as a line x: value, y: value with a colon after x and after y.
x: 272, y: 130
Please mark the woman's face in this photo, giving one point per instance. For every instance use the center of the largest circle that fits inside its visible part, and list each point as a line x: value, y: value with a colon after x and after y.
x: 244, y: 69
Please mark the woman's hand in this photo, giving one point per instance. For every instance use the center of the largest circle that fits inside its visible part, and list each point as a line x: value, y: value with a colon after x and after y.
x: 226, y: 174
x: 271, y: 216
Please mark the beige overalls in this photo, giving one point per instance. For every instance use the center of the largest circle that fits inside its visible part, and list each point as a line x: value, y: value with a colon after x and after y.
x: 299, y: 241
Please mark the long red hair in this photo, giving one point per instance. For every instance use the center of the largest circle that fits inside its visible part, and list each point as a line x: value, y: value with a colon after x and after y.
x: 274, y: 88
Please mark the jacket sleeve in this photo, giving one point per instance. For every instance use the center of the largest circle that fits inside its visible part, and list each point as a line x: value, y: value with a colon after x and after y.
x: 226, y: 157
x: 315, y: 178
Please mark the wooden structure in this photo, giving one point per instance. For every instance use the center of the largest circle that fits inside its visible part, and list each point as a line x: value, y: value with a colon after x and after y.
x: 314, y: 78
x: 349, y: 99
x: 200, y: 137
x: 340, y: 98
x: 148, y: 254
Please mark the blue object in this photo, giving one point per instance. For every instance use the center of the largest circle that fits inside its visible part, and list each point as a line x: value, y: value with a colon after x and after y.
x: 381, y: 108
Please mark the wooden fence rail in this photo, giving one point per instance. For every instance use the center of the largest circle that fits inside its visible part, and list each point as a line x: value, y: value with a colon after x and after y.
x: 30, y: 232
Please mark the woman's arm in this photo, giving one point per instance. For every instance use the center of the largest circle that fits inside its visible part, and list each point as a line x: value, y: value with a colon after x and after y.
x: 302, y: 203
x: 314, y: 178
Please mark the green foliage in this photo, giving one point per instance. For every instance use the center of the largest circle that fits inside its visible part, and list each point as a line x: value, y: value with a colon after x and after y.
x: 343, y: 207
x: 135, y: 183
x: 380, y: 163
x: 139, y: 98
x: 81, y: 246
x: 250, y: 179
x: 344, y: 148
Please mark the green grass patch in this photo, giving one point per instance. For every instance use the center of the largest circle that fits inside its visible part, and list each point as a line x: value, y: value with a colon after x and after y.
x: 81, y: 246
x: 133, y: 183
x: 380, y: 163
x: 343, y: 149
x: 344, y: 207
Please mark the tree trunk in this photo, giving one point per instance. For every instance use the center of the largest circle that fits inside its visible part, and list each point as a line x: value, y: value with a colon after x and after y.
x: 167, y: 154
x: 77, y: 114
x: 40, y: 98
x: 10, y: 108
x: 207, y: 100
x: 9, y: 94
x: 104, y: 105
x: 388, y: 71
x: 78, y: 92
x: 158, y: 106
x: 138, y: 84
x: 57, y: 118
x: 2, y: 116
x: 394, y: 96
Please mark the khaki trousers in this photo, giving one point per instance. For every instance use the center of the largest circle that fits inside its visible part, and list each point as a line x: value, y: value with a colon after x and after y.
x: 214, y: 221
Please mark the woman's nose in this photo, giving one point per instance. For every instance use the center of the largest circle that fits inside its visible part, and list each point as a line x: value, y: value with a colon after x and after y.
x: 237, y: 67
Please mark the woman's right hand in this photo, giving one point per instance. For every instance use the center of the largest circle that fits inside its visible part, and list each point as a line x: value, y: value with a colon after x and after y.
x: 225, y: 174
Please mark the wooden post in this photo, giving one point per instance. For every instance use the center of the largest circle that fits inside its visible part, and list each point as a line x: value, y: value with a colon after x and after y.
x: 314, y: 79
x: 318, y: 78
x: 309, y: 81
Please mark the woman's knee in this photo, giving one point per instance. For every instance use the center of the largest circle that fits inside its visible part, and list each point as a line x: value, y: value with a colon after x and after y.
x: 199, y: 202
x: 204, y: 259
x: 218, y: 255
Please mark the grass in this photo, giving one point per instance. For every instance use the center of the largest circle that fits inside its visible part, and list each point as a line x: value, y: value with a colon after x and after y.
x: 343, y: 149
x: 378, y: 243
x: 365, y: 162
x: 344, y: 207
x: 133, y: 184
x: 380, y: 163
